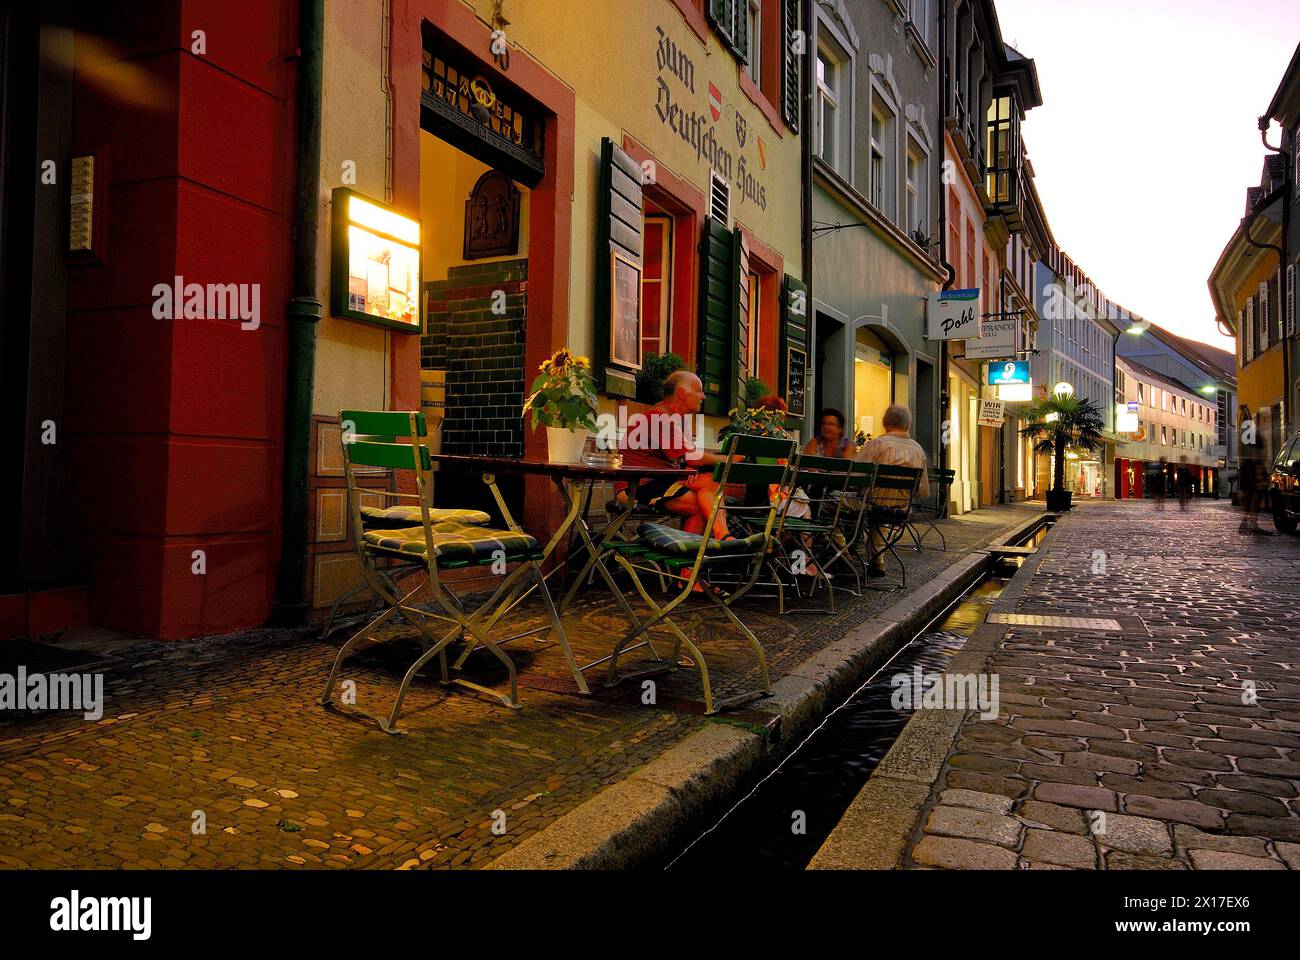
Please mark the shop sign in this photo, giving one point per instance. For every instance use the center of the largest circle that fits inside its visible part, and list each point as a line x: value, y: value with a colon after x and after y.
x: 1126, y: 422
x: 953, y: 315
x: 997, y: 340
x: 795, y: 375
x: 1005, y: 374
x: 374, y: 263
x: 992, y: 413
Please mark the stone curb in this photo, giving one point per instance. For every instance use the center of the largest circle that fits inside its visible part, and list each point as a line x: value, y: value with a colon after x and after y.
x: 877, y: 828
x: 629, y: 822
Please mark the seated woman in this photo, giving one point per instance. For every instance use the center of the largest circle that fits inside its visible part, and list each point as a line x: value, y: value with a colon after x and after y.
x: 831, y: 440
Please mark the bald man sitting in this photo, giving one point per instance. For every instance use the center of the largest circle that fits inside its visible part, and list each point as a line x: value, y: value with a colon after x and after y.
x: 671, y: 444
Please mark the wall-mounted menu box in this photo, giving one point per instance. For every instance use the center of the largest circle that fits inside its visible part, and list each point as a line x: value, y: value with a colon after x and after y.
x: 374, y: 263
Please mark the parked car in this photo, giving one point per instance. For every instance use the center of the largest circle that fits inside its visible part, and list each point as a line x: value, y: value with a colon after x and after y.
x: 1284, y: 486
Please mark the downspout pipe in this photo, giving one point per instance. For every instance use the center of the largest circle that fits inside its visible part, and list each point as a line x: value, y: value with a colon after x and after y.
x: 950, y: 273
x: 303, y: 314
x: 806, y: 188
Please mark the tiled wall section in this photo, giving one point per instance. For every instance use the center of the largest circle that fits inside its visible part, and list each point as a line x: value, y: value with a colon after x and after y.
x: 482, y: 353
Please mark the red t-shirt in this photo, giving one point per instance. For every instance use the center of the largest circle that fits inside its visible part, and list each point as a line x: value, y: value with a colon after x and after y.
x: 657, y: 438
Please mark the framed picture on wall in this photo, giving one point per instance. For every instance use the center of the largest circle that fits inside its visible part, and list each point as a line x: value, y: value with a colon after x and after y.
x: 624, y: 311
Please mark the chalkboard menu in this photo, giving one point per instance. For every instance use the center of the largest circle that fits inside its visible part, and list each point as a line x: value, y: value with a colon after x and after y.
x: 625, y: 312
x: 796, y: 368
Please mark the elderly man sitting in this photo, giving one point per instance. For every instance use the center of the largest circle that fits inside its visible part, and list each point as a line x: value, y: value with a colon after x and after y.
x: 669, y: 443
x: 893, y: 448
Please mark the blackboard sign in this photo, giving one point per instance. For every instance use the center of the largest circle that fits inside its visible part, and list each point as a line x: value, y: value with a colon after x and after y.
x: 796, y: 368
x: 625, y: 312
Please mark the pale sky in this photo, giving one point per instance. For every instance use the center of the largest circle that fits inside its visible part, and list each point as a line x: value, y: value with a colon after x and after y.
x: 1147, y: 140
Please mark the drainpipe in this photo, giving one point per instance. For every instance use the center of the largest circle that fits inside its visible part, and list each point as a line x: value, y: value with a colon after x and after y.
x: 950, y: 273
x: 303, y: 314
x: 806, y: 189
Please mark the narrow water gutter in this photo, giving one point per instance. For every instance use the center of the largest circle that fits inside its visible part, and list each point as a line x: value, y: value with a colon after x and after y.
x: 784, y: 819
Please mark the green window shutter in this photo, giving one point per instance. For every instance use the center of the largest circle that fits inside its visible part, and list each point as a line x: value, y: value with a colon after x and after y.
x: 718, y: 303
x: 620, y: 226
x: 790, y: 65
x: 740, y: 339
x: 794, y: 337
x: 740, y: 46
x: 722, y: 14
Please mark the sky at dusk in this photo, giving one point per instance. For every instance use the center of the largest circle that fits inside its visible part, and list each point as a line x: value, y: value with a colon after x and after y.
x: 1147, y: 140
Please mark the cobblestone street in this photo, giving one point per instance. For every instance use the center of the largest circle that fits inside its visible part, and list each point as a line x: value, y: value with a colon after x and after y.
x: 231, y: 728
x: 1168, y: 738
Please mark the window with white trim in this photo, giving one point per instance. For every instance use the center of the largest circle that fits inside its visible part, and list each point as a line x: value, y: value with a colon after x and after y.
x: 918, y: 188
x: 883, y: 168
x: 754, y: 13
x: 832, y: 108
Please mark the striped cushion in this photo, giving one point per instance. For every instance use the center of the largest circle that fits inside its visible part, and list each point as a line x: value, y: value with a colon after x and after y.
x: 672, y: 540
x: 391, y: 518
x: 454, y: 541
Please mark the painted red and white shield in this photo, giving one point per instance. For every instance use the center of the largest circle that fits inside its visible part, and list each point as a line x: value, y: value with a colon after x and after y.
x: 715, y: 101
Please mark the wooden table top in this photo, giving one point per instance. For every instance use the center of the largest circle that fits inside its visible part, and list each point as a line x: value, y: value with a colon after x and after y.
x: 572, y: 471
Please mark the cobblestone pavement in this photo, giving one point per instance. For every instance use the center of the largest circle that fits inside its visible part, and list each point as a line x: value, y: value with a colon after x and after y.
x: 1170, y: 743
x: 228, y: 730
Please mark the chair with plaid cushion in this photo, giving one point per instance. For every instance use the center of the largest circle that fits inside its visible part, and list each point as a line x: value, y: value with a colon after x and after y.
x: 397, y: 440
x: 693, y: 558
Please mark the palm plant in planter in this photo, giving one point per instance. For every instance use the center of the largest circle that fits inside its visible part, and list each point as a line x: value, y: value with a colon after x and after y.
x: 1055, y: 425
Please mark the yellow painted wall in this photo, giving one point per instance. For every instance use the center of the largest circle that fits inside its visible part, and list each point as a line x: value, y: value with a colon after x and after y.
x: 1259, y: 383
x: 606, y: 51
x: 446, y: 178
x: 351, y: 364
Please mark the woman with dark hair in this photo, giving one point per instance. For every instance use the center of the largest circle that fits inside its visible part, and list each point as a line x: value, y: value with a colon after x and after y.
x: 831, y: 440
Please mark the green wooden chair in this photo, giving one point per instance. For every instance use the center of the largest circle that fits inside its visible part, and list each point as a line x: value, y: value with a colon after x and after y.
x: 928, y: 513
x: 802, y: 542
x: 889, y: 510
x: 693, y: 558
x: 397, y: 440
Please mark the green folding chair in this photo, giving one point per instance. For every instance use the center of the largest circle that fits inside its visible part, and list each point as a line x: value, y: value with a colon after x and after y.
x: 929, y: 513
x: 693, y: 558
x: 397, y: 440
x: 811, y: 541
x: 889, y: 510
x: 852, y: 520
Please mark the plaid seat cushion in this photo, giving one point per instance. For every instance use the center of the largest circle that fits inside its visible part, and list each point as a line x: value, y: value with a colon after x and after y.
x: 455, y: 541
x: 672, y: 540
x: 391, y: 518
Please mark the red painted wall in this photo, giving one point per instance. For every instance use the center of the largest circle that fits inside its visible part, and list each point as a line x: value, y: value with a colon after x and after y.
x: 175, y: 426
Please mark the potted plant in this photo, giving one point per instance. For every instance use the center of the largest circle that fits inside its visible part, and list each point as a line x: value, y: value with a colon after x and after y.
x: 655, y: 368
x: 564, y: 401
x: 1055, y: 425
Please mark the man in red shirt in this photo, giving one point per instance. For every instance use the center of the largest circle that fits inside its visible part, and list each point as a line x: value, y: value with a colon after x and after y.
x: 663, y: 439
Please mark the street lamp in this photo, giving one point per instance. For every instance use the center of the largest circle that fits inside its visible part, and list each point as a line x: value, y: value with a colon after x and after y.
x: 1063, y: 389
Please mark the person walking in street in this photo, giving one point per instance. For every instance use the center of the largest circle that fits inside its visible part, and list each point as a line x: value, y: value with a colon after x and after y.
x: 1159, y: 483
x: 894, y: 448
x: 1183, y: 483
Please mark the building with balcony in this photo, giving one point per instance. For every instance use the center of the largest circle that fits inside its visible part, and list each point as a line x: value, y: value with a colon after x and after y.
x: 989, y: 86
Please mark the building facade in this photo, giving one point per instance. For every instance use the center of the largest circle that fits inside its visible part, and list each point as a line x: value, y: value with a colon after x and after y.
x: 988, y: 88
x: 1176, y: 427
x: 876, y: 161
x: 1076, y: 346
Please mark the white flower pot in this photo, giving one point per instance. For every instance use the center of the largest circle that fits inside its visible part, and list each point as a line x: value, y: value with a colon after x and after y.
x: 564, y: 445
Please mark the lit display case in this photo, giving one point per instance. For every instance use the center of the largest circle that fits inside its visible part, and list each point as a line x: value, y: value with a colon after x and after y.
x: 374, y: 263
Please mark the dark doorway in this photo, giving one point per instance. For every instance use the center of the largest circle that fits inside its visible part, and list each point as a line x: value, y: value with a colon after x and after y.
x: 828, y: 384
